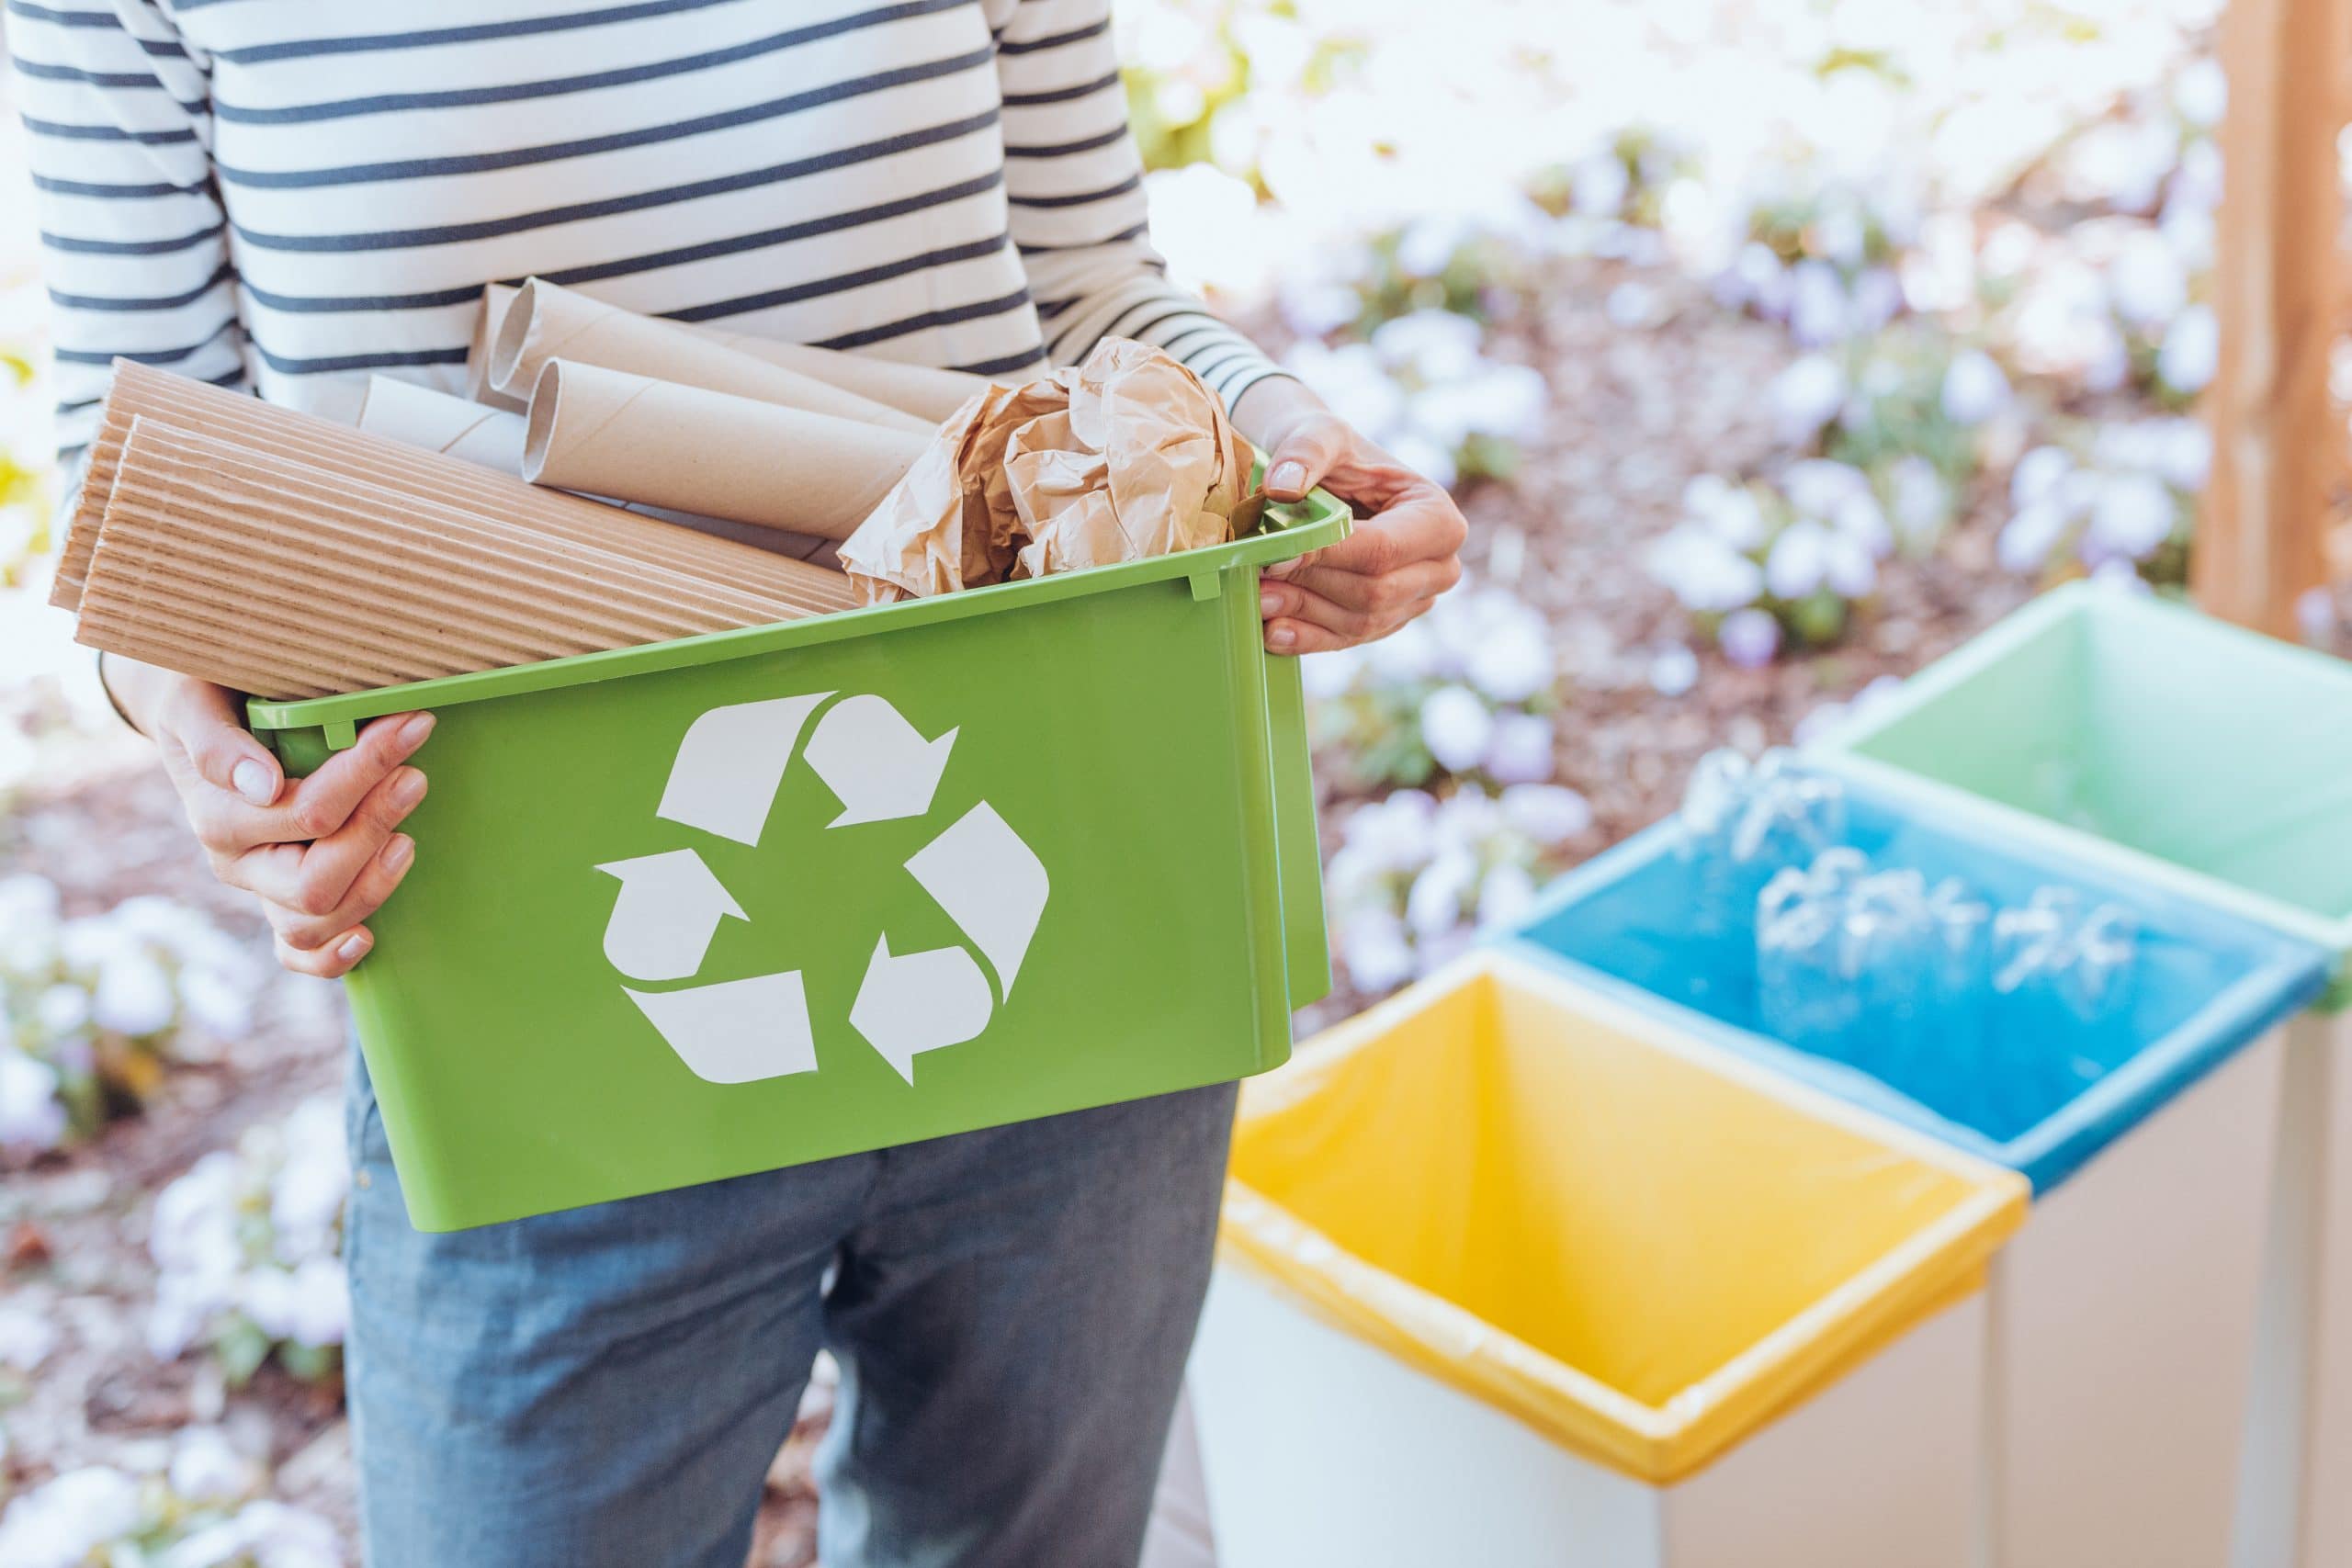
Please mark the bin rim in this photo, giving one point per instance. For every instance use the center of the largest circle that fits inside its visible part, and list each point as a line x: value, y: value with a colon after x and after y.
x: 2286, y: 977
x: 1292, y: 529
x: 1942, y: 1262
x: 1837, y: 751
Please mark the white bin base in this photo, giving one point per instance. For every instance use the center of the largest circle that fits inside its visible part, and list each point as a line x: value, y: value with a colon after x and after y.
x: 2295, y: 1503
x: 2122, y: 1335
x: 1321, y: 1452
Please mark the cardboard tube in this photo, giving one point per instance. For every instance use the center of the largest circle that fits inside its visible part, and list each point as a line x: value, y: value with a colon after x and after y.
x: 497, y: 299
x: 266, y: 430
x: 610, y: 433
x: 419, y: 416
x: 923, y: 390
x: 548, y: 323
x: 286, y: 581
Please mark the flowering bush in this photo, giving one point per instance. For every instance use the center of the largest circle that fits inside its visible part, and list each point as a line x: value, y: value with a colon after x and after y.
x: 2118, y: 498
x: 204, y: 1510
x: 94, y: 1008
x: 1424, y: 388
x: 24, y: 457
x: 246, y: 1245
x: 1416, y: 878
x: 1464, y: 691
x: 1820, y: 253
x: 1766, y: 562
x: 1905, y: 397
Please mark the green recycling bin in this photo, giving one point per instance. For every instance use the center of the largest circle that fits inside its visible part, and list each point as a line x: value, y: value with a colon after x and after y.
x: 2218, y: 762
x: 689, y: 910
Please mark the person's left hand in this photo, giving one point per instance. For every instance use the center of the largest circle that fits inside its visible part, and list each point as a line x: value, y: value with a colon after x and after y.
x: 1405, y: 549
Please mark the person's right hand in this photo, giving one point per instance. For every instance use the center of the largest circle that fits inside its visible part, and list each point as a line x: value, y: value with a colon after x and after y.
x: 320, y: 853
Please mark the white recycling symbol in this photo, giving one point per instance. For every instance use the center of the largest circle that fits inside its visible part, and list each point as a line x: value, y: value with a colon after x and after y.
x: 728, y: 771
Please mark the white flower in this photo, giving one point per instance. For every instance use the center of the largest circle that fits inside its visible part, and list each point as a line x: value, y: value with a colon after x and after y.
x: 2030, y: 536
x: 1377, y: 952
x: 2037, y: 475
x: 1332, y: 673
x: 1922, y: 501
x: 2146, y: 280
x: 1418, y: 454
x: 2201, y: 91
x: 218, y: 1003
x: 1437, y: 345
x: 134, y: 995
x: 319, y: 1303
x: 1439, y: 892
x: 1673, y: 671
x: 2135, y: 514
x: 31, y: 1117
x: 26, y: 1338
x: 1600, y: 183
x: 29, y: 925
x: 1548, y: 814
x: 1751, y: 638
x: 1859, y: 519
x: 1799, y: 561
x: 1974, y: 388
x: 207, y: 1468
x: 1703, y: 571
x: 1730, y: 512
x: 1513, y: 660
x: 1805, y: 397
x: 1456, y: 726
x: 1390, y: 835
x: 1506, y: 894
x: 2191, y: 350
x: 2182, y: 451
x: 64, y: 1522
x: 1521, y: 751
x: 1850, y: 566
x: 1501, y: 401
x: 1819, y: 311
x: 1817, y: 487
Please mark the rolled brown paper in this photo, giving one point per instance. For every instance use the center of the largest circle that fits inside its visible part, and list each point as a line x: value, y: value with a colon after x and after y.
x: 286, y: 581
x: 497, y: 299
x: 551, y: 323
x: 608, y: 433
x: 141, y: 390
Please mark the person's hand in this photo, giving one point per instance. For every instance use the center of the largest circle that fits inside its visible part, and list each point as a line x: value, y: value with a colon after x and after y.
x: 1401, y: 556
x: 320, y: 853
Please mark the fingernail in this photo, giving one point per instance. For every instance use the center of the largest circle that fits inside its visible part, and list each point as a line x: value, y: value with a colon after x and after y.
x: 408, y: 789
x: 396, y: 852
x: 1281, y: 637
x: 1269, y: 602
x: 354, y: 947
x: 1289, y: 476
x: 255, y: 782
x: 413, y: 732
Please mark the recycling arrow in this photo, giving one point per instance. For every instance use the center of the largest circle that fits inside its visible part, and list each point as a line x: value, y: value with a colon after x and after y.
x: 730, y: 766
x: 735, y: 1030
x: 913, y: 1002
x: 669, y: 908
x: 878, y: 764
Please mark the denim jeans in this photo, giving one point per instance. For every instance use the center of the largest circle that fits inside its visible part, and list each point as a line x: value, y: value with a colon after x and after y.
x: 606, y: 1386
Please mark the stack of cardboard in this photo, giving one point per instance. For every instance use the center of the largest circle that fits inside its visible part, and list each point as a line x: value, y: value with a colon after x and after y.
x: 289, y: 557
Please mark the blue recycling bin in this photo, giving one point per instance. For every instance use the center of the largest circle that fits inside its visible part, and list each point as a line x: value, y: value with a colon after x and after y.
x: 2123, y: 1315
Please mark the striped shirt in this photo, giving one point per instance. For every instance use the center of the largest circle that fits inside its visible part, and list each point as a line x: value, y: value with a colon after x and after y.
x: 285, y: 195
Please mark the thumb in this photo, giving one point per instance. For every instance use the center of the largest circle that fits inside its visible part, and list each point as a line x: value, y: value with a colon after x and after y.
x: 202, y: 718
x: 1302, y: 458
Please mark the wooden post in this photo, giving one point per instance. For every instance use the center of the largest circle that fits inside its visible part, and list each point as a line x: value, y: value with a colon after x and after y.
x: 2278, y: 446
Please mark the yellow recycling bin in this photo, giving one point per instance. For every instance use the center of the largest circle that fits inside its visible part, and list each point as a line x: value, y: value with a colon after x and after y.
x: 1513, y: 1274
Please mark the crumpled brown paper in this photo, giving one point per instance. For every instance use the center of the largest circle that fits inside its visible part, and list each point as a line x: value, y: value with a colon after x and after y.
x: 1121, y: 457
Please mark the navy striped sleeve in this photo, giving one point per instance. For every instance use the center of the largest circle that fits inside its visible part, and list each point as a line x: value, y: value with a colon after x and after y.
x: 1073, y: 184
x: 137, y: 252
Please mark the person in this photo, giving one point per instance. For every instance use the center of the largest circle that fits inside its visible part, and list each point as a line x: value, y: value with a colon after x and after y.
x: 283, y: 197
